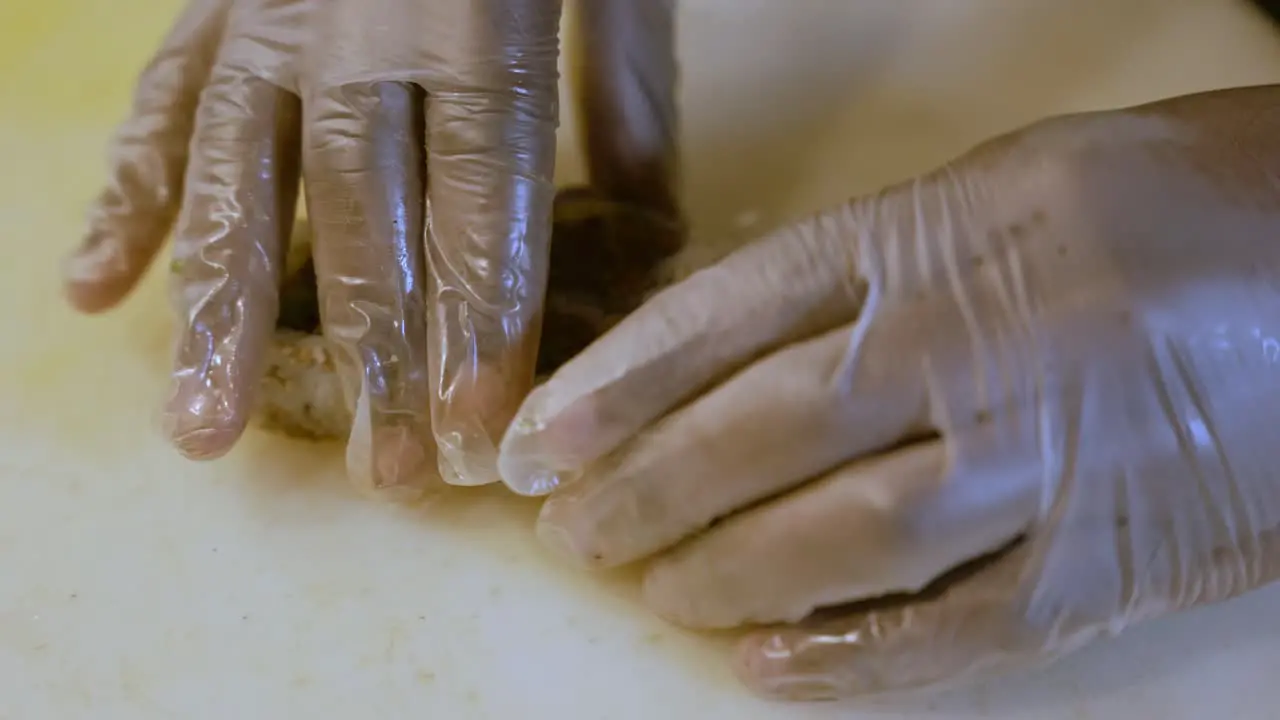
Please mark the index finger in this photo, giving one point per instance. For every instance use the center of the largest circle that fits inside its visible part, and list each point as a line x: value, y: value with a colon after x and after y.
x: 799, y: 282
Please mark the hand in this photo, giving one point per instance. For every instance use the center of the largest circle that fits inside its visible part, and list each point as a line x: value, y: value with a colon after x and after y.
x: 425, y: 135
x: 1052, y: 362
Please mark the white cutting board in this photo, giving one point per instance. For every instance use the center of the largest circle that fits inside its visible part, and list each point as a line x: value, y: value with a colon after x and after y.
x: 136, y: 585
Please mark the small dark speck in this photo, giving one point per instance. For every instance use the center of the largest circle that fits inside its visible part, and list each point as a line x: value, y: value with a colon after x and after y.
x: 1017, y: 231
x: 74, y: 596
x: 1038, y: 217
x: 244, y: 617
x: 1062, y: 250
x: 213, y: 549
x: 978, y: 260
x: 982, y: 416
x: 422, y: 617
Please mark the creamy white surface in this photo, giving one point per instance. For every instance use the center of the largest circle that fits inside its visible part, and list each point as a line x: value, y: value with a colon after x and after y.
x: 136, y: 585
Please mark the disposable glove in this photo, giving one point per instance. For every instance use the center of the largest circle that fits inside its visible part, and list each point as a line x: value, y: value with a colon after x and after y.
x: 424, y: 131
x: 1022, y: 402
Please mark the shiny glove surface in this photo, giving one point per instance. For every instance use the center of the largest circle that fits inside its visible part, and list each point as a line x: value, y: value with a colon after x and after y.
x: 424, y: 132
x: 1022, y: 403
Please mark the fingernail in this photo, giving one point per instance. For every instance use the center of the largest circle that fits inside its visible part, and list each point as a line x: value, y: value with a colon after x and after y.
x: 466, y: 457
x: 530, y: 461
x: 204, y: 443
x: 480, y: 405
x: 519, y: 466
x: 447, y: 473
x: 559, y: 541
x: 200, y: 425
x: 526, y: 475
x: 389, y: 464
x: 399, y: 460
x: 93, y: 275
x: 762, y: 664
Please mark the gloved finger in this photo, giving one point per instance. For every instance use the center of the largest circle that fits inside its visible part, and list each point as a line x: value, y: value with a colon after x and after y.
x: 967, y: 628
x: 229, y: 250
x: 891, y: 523
x: 1007, y: 611
x: 625, y: 84
x: 364, y: 178
x: 797, y: 283
x: 792, y: 416
x: 148, y: 158
x: 489, y: 197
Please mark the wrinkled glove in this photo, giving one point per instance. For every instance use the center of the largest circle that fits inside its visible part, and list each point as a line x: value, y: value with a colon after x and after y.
x: 424, y: 131
x: 1024, y: 402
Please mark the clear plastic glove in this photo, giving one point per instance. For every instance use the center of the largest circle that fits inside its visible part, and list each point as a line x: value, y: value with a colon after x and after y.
x: 1052, y: 363
x: 424, y: 131
x: 625, y: 83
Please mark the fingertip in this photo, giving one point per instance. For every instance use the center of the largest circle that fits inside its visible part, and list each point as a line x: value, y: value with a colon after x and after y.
x: 398, y: 456
x: 401, y: 465
x: 766, y: 663
x: 394, y: 467
x: 670, y: 591
x: 389, y: 462
x: 555, y: 530
x: 201, y: 427
x: 529, y: 474
x: 91, y: 297
x: 544, y: 448
x: 559, y: 541
x: 466, y: 457
x: 204, y: 443
x: 471, y: 417
x: 97, y: 275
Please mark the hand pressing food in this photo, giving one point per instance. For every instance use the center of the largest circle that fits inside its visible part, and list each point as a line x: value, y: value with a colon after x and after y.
x: 603, y: 265
x: 1051, y: 365
x: 424, y: 132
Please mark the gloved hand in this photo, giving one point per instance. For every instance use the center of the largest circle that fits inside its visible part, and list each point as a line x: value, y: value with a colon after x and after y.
x: 424, y: 130
x: 1023, y: 402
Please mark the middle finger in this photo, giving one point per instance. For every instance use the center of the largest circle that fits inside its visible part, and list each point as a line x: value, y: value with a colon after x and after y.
x: 364, y: 178
x: 879, y: 526
x: 788, y: 418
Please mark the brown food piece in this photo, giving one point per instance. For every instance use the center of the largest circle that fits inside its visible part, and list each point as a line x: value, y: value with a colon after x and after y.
x: 605, y: 259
